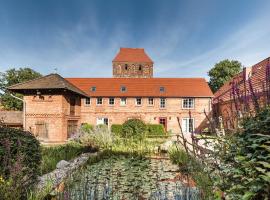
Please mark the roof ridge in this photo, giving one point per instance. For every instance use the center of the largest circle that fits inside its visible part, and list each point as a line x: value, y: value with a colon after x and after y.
x: 17, y: 84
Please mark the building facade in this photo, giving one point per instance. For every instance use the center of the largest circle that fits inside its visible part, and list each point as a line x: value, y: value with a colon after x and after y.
x: 243, y: 94
x: 57, y: 107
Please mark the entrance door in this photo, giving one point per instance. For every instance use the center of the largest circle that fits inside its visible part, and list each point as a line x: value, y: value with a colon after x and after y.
x: 163, y: 121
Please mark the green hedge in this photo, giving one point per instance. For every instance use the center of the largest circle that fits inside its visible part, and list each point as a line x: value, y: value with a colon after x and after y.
x: 117, y: 129
x: 151, y: 129
x: 155, y: 129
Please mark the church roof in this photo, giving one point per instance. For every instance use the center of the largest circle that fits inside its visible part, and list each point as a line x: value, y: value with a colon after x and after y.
x: 143, y: 87
x: 132, y: 55
x: 51, y: 81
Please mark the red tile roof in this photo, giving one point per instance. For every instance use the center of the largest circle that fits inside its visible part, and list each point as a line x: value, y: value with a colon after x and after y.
x: 143, y: 87
x: 132, y: 55
x: 256, y: 74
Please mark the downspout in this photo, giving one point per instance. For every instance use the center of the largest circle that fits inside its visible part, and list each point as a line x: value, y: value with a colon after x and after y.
x: 24, y: 110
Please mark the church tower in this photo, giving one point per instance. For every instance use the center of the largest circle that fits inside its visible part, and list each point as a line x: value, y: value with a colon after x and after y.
x: 132, y: 63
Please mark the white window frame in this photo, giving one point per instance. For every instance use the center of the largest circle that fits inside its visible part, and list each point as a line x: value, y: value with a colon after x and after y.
x: 137, y: 102
x: 193, y: 99
x: 193, y: 123
x: 101, y: 101
x: 149, y: 101
x: 103, y: 120
x: 113, y: 101
x: 87, y: 104
x: 121, y: 104
x: 162, y: 98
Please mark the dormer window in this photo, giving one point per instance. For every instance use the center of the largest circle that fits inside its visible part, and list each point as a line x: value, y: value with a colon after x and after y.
x: 162, y: 89
x: 123, y: 89
x: 93, y: 89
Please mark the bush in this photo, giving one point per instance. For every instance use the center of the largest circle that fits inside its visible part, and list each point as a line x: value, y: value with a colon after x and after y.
x: 245, y: 165
x: 87, y: 128
x: 117, y: 129
x: 134, y: 128
x: 20, y: 158
x: 155, y: 129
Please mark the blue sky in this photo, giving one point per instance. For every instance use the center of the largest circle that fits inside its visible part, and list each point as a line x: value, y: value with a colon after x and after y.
x: 81, y: 37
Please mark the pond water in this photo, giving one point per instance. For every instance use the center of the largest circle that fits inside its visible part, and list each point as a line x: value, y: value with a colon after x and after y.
x: 122, y: 177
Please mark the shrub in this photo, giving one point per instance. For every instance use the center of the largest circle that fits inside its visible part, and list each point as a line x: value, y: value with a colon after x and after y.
x: 117, y: 129
x: 155, y: 129
x: 134, y: 128
x: 20, y: 158
x: 245, y: 165
x: 87, y: 128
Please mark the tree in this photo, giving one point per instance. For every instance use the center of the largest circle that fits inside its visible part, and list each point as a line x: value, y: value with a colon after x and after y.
x: 223, y: 72
x: 11, y: 77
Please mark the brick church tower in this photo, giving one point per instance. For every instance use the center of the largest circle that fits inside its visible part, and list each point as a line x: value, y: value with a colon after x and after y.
x: 132, y: 63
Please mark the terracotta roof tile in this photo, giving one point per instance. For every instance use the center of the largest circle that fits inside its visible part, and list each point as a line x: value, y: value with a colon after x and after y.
x: 132, y: 55
x: 143, y: 87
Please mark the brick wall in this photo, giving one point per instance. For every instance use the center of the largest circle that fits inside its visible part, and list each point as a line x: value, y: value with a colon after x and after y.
x: 52, y: 113
x: 118, y: 114
x: 134, y: 70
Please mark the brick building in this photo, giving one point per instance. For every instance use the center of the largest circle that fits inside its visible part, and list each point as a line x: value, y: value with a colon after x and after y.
x: 243, y: 93
x: 56, y: 107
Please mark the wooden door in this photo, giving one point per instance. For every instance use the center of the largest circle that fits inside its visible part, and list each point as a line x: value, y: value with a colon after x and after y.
x: 163, y: 121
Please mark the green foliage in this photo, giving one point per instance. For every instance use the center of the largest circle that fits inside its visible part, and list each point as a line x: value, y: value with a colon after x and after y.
x: 134, y: 128
x: 191, y: 166
x: 11, y: 77
x: 20, y: 158
x: 117, y: 129
x: 155, y: 130
x: 52, y: 155
x: 87, y: 128
x: 223, y: 72
x: 245, y: 166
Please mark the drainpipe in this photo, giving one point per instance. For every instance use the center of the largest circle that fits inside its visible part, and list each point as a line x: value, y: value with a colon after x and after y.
x: 24, y: 110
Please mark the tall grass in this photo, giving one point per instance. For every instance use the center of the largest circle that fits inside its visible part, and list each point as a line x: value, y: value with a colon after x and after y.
x: 52, y: 155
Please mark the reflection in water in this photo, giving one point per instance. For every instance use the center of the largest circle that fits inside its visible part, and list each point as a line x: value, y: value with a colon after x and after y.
x: 120, y: 177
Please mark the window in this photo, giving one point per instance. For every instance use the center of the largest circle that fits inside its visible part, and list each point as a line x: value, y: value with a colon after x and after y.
x: 93, y: 89
x: 150, y: 101
x: 162, y: 89
x: 162, y: 102
x: 126, y: 66
x: 188, y: 103
x: 99, y: 101
x: 140, y: 68
x: 123, y: 101
x: 111, y: 101
x: 138, y: 101
x: 188, y: 125
x: 102, y: 120
x: 123, y: 89
x: 87, y: 101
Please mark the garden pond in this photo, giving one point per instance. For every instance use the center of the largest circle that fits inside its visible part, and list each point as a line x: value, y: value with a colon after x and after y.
x: 127, y: 177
